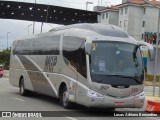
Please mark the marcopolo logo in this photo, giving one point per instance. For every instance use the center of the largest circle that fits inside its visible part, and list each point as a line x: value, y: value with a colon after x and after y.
x: 50, y: 63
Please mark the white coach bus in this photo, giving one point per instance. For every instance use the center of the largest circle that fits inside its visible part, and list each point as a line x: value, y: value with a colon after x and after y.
x: 90, y: 64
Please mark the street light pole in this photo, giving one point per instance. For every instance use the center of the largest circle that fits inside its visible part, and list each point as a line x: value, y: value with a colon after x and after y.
x: 34, y: 22
x: 7, y: 39
x: 28, y: 28
x: 87, y: 4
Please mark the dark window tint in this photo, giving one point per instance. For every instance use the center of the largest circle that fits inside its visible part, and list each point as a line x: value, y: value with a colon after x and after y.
x: 142, y: 36
x: 107, y: 15
x: 103, y: 16
x: 26, y: 47
x: 122, y: 11
x: 74, y: 53
x: 143, y: 24
x: 17, y: 47
x: 52, y: 45
x: 126, y: 9
x: 112, y: 62
x: 38, y: 46
x: 46, y: 45
x: 144, y: 11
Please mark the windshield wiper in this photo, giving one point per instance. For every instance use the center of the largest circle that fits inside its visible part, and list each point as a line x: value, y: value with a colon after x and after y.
x: 122, y: 76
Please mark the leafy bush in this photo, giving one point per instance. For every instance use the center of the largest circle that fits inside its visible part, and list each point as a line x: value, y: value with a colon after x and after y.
x: 5, y: 58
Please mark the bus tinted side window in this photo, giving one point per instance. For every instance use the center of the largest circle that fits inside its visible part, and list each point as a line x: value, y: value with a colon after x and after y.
x: 26, y: 47
x: 38, y: 46
x: 17, y: 47
x: 48, y: 45
x: 74, y: 53
x: 52, y: 45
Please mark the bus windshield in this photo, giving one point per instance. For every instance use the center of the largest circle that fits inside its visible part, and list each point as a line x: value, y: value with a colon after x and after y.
x: 116, y: 63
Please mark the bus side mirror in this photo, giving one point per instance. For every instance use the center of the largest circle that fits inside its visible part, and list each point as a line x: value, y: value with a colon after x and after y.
x: 88, y: 48
x: 151, y: 52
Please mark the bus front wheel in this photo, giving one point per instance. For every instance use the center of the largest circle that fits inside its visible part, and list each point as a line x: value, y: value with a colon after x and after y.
x: 64, y: 98
x: 22, y: 89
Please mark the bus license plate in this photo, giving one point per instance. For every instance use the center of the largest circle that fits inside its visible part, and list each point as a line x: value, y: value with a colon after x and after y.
x: 119, y: 103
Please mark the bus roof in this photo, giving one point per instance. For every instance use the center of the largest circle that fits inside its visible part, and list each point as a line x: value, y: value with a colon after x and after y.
x: 86, y: 29
x: 102, y: 29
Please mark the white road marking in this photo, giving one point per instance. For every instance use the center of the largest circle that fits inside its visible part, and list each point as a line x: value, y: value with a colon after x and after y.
x: 71, y: 118
x: 18, y: 99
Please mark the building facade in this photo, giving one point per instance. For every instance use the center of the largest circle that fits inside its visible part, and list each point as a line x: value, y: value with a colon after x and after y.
x: 136, y: 17
x: 109, y: 15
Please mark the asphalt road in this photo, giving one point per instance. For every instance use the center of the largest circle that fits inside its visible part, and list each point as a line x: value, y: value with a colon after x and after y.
x: 11, y: 100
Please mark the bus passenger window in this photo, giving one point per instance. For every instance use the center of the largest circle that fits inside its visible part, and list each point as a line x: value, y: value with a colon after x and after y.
x: 73, y: 51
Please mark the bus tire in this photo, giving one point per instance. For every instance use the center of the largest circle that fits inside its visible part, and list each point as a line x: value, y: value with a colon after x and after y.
x: 64, y: 98
x: 22, y: 89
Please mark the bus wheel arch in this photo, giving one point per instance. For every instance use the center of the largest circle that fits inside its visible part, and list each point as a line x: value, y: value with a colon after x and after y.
x: 64, y: 95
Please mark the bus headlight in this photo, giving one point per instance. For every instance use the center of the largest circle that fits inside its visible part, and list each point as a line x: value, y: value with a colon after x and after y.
x: 141, y: 95
x: 92, y: 93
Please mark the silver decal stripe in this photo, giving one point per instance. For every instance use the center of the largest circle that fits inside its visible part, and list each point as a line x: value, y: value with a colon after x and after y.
x: 47, y: 79
x: 19, y: 61
x: 82, y: 85
x: 44, y: 76
x: 41, y: 84
x: 27, y: 64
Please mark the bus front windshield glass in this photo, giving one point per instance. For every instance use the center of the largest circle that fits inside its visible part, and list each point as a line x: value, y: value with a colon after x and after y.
x: 116, y: 63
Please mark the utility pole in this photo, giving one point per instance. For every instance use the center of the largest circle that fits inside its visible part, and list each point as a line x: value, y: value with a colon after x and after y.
x: 87, y: 4
x: 7, y: 39
x: 34, y: 22
x: 28, y: 28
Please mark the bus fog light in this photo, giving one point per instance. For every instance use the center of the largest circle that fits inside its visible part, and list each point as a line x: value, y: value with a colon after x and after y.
x: 92, y: 93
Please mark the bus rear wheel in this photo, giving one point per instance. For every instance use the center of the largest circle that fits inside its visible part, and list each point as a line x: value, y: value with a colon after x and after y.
x: 22, y: 89
x: 65, y: 98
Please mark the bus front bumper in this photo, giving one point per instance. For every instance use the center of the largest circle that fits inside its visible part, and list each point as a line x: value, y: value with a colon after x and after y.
x: 98, y: 100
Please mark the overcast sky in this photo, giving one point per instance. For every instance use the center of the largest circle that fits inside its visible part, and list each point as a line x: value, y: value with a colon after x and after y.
x: 19, y: 28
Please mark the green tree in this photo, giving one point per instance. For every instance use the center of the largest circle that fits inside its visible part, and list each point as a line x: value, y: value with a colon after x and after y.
x: 5, y: 58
